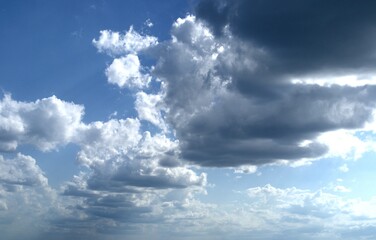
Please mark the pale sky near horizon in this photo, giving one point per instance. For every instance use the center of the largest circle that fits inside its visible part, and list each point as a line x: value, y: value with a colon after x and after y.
x: 188, y: 119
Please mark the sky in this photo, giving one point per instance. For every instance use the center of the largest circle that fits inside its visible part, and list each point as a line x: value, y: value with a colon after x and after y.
x: 187, y: 119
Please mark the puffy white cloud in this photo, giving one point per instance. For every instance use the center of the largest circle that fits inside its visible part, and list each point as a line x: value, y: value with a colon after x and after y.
x: 188, y: 30
x: 352, y: 145
x: 45, y: 123
x: 115, y: 43
x: 246, y: 169
x: 127, y: 72
x: 101, y: 141
x: 118, y: 153
x: 20, y: 171
x: 149, y: 108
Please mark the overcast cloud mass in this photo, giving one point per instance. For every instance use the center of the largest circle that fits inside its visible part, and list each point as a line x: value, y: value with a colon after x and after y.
x: 222, y: 119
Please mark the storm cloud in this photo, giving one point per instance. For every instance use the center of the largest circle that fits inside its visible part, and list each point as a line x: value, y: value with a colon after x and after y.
x: 229, y: 71
x: 301, y: 36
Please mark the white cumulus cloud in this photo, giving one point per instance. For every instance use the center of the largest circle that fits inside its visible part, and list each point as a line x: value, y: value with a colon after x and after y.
x: 45, y: 123
x: 149, y: 108
x: 127, y: 72
x: 115, y: 43
x: 20, y: 171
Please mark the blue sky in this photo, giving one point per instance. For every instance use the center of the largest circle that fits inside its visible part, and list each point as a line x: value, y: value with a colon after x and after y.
x: 187, y: 119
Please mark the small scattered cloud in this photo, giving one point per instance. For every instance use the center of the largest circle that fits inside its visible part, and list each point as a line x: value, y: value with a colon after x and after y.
x: 246, y: 169
x: 341, y: 189
x: 115, y: 43
x: 344, y: 168
x: 148, y: 23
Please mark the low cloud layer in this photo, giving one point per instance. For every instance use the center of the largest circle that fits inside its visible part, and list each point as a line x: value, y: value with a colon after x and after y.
x: 130, y: 176
x: 26, y: 199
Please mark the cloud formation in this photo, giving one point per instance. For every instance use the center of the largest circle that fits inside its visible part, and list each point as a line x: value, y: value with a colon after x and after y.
x: 20, y: 171
x: 126, y: 72
x: 230, y: 106
x: 292, y: 209
x: 150, y: 107
x: 26, y: 200
x: 130, y: 176
x: 122, y: 156
x: 45, y: 123
x: 115, y: 43
x: 228, y: 97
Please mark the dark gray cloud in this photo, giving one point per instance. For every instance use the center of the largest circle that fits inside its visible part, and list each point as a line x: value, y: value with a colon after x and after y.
x: 231, y: 98
x: 301, y: 36
x: 118, y: 210
x: 107, y: 206
x: 117, y: 207
x: 257, y: 131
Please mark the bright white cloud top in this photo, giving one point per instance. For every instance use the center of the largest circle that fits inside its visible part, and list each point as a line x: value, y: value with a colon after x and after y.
x: 229, y: 131
x: 115, y: 43
x: 126, y: 72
